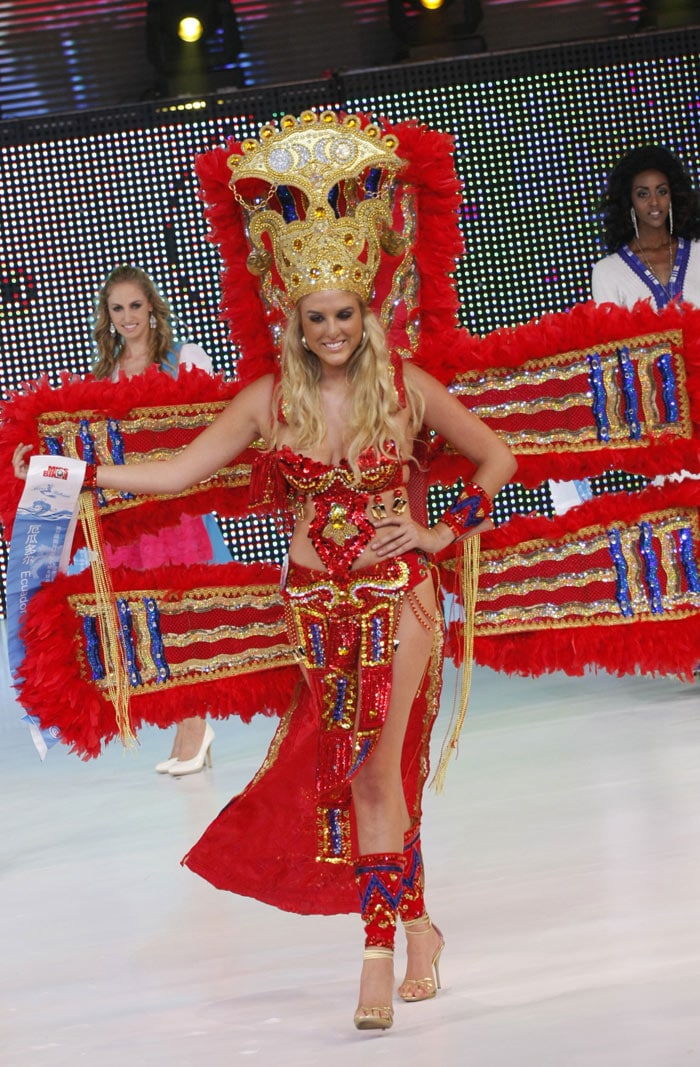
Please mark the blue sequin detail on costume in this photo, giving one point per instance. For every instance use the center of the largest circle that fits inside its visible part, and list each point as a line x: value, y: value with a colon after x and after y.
x: 317, y: 645
x: 688, y: 563
x: 595, y: 379
x: 377, y: 639
x: 471, y: 505
x: 409, y: 877
x: 116, y: 442
x: 334, y: 831
x: 669, y: 387
x: 333, y: 200
x: 363, y: 752
x: 54, y: 446
x: 157, y: 648
x: 651, y: 567
x: 339, y: 705
x: 128, y: 641
x: 375, y: 883
x: 88, y: 441
x: 92, y: 644
x: 286, y: 199
x: 89, y: 454
x: 629, y: 392
x: 372, y: 181
x: 622, y: 591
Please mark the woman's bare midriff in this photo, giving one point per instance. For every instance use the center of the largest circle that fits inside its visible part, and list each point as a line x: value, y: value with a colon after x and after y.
x: 302, y: 551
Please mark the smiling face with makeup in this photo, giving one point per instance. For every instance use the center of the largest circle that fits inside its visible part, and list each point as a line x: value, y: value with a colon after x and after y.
x: 129, y: 309
x: 331, y: 325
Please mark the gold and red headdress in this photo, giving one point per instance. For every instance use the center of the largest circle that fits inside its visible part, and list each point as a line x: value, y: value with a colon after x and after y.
x: 333, y: 201
x: 320, y: 210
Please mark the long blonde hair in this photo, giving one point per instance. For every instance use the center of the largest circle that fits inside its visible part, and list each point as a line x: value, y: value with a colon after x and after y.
x: 375, y: 406
x: 109, y: 345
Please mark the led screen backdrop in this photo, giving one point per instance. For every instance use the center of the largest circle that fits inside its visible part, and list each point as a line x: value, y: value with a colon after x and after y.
x: 535, y: 134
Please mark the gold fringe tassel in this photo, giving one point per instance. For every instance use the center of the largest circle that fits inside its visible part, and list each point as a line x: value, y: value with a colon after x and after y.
x: 467, y: 574
x: 117, y: 676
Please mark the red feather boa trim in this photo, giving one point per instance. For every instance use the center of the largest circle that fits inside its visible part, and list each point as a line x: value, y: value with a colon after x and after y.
x: 54, y: 689
x: 20, y: 415
x: 668, y: 647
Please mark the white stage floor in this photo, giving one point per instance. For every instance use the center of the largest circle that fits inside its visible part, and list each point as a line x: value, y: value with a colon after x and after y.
x: 563, y: 867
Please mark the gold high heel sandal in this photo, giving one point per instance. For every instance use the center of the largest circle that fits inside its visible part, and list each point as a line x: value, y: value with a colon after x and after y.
x: 376, y: 1017
x: 415, y: 989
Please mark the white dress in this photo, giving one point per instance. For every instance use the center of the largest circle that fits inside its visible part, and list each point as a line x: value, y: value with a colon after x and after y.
x: 623, y: 278
x: 192, y: 355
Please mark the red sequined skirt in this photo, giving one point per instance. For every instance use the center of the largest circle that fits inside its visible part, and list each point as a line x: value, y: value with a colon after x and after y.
x: 288, y: 838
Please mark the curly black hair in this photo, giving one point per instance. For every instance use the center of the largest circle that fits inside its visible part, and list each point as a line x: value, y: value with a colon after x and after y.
x: 616, y: 201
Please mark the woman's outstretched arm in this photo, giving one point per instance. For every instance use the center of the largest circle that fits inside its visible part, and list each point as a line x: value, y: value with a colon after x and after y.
x: 243, y: 420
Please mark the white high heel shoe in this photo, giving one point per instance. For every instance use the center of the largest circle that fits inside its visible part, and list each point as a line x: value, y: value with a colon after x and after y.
x: 196, y: 764
x: 164, y: 766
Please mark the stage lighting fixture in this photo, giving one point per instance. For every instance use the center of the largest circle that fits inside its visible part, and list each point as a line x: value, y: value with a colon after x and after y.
x: 190, y: 29
x: 431, y: 29
x: 193, y: 45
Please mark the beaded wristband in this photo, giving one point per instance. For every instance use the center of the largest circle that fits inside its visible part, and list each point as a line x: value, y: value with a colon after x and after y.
x: 90, y: 477
x: 471, y: 507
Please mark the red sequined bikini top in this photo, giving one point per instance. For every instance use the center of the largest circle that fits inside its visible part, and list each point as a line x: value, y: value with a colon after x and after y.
x: 340, y: 530
x: 276, y: 472
x: 308, y: 476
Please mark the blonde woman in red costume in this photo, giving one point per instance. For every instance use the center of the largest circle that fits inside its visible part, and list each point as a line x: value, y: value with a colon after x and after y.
x: 337, y: 427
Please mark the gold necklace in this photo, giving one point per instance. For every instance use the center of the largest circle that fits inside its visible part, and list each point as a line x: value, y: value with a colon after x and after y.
x: 649, y: 267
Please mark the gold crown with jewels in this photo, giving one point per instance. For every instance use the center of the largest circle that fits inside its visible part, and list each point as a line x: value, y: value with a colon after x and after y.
x: 316, y: 195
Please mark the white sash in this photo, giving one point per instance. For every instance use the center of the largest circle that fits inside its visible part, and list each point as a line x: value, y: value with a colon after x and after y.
x: 42, y: 536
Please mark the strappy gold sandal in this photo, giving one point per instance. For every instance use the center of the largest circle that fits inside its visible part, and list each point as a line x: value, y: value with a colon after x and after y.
x: 415, y: 989
x: 375, y: 1017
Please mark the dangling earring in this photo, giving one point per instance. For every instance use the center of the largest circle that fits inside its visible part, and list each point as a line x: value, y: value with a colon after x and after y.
x: 377, y: 508
x: 670, y: 217
x: 305, y: 343
x: 364, y: 338
x: 152, y: 321
x: 112, y: 329
x: 633, y: 216
x: 400, y: 503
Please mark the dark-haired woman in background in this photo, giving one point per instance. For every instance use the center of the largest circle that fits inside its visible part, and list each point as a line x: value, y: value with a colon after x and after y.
x: 651, y: 215
x: 651, y: 218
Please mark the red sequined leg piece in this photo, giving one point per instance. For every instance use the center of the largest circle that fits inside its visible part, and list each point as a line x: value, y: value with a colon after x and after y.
x: 379, y: 881
x: 412, y: 905
x: 416, y: 921
x: 379, y: 878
